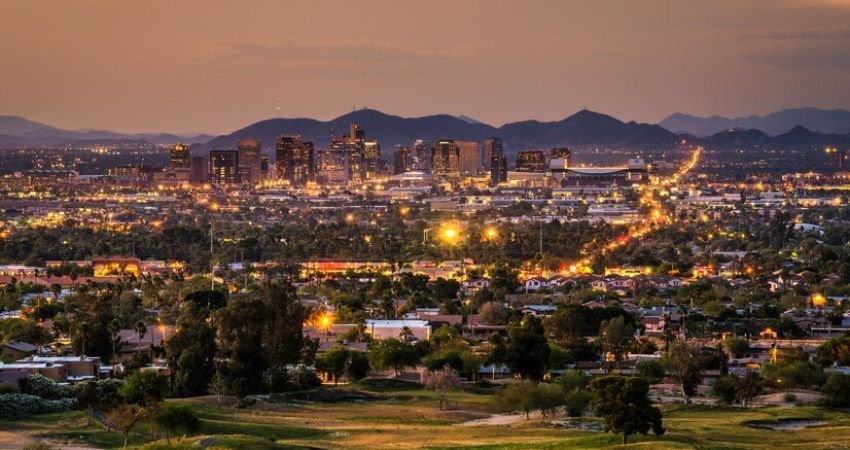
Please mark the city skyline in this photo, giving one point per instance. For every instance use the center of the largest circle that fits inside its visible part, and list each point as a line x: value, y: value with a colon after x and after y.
x: 502, y: 62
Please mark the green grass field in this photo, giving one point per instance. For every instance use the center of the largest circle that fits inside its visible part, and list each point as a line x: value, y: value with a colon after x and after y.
x: 398, y: 417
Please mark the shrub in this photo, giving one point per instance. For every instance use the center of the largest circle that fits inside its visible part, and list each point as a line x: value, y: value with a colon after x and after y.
x: 724, y: 389
x: 44, y: 387
x: 789, y: 397
x: 22, y: 405
x: 302, y: 378
x: 836, y: 390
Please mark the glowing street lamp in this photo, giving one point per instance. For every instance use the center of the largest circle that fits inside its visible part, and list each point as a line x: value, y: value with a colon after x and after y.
x: 449, y: 234
x: 491, y: 233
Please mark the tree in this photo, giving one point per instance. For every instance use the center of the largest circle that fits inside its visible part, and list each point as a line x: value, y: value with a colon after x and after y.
x: 747, y: 387
x: 527, y: 350
x: 145, y: 388
x: 650, y: 370
x: 217, y: 387
x: 190, y: 351
x: 623, y: 403
x: 393, y: 354
x: 141, y: 330
x: 124, y: 418
x: 519, y: 395
x: 441, y: 381
x: 99, y: 395
x: 173, y: 418
x: 615, y: 336
x: 493, y: 313
x: 240, y: 345
x: 834, y: 351
x: 723, y: 389
x: 547, y: 398
x: 282, y: 332
x: 358, y: 366
x: 737, y: 347
x: 683, y: 363
x: 836, y: 390
x: 333, y: 362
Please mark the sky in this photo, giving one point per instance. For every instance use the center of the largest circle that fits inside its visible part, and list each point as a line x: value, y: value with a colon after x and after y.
x: 216, y: 66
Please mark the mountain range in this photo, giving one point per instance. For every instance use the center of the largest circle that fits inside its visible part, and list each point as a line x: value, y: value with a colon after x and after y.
x: 836, y: 121
x: 585, y: 129
x: 15, y: 130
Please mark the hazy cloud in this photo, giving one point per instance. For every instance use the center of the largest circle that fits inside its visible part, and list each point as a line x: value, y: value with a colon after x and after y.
x: 361, y: 56
x: 815, y: 48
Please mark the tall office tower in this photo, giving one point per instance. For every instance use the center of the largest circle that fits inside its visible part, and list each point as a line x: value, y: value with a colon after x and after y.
x: 200, y: 170
x: 559, y: 157
x: 295, y: 160
x: 492, y: 147
x: 401, y: 160
x: 363, y: 155
x: 355, y: 131
x: 470, y: 157
x: 250, y: 151
x: 264, y: 167
x: 180, y: 156
x: 420, y: 155
x: 531, y: 161
x: 332, y: 167
x: 498, y: 170
x: 224, y: 167
x: 372, y: 159
x: 445, y: 159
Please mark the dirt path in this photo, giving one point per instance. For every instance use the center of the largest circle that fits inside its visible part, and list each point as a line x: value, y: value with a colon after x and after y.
x: 500, y: 420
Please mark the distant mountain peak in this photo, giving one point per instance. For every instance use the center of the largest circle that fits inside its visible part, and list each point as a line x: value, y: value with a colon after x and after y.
x: 828, y: 121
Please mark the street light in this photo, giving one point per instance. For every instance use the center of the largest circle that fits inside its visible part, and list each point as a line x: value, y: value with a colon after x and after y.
x: 491, y: 233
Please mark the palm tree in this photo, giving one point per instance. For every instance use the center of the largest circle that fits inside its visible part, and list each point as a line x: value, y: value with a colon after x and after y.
x: 114, y: 327
x: 141, y: 329
x: 83, y: 328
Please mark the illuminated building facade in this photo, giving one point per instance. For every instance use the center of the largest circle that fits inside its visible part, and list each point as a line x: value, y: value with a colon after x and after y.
x: 498, y: 170
x: 492, y: 147
x: 249, y: 160
x: 401, y: 160
x: 363, y: 155
x: 559, y: 157
x: 180, y: 156
x: 445, y: 159
x: 470, y: 157
x: 224, y: 167
x: 295, y: 160
x: 531, y: 161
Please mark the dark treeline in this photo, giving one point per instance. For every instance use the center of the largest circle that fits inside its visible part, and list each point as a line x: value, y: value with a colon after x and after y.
x: 392, y: 241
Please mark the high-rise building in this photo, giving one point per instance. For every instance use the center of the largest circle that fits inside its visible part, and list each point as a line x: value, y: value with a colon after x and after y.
x: 498, y: 170
x: 264, y: 167
x: 224, y: 167
x: 401, y: 160
x: 492, y: 147
x: 295, y: 160
x: 559, y: 157
x: 445, y: 158
x: 531, y: 161
x: 420, y: 155
x: 332, y: 167
x: 363, y: 155
x: 470, y: 157
x: 180, y: 156
x: 199, y: 170
x: 250, y: 151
